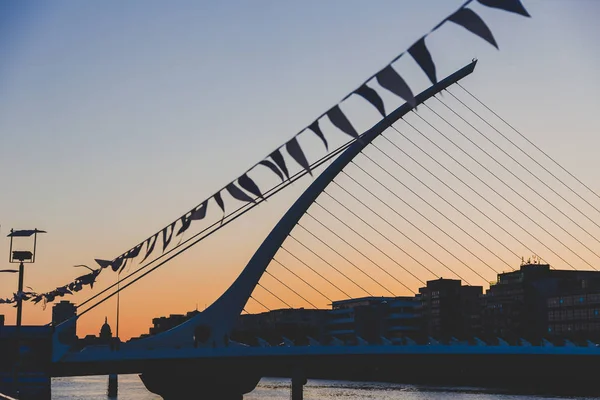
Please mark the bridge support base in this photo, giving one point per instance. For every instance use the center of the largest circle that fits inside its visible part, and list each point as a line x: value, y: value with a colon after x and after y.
x: 113, y: 386
x: 179, y: 385
x: 298, y: 382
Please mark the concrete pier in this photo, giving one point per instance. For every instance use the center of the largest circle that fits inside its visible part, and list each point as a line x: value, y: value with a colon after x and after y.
x: 113, y: 386
x: 298, y: 382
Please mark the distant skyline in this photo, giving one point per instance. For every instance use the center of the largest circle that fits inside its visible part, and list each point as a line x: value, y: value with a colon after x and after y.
x: 117, y: 118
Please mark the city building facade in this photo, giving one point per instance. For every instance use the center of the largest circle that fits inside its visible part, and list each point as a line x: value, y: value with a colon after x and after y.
x: 162, y: 324
x: 536, y: 302
x: 374, y: 319
x: 61, y: 312
x: 295, y: 324
x: 450, y: 309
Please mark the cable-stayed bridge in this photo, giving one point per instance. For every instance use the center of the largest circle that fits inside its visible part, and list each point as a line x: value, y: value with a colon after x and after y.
x: 439, y: 189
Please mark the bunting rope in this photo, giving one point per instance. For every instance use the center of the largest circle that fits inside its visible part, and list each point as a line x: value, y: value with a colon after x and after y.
x: 244, y: 186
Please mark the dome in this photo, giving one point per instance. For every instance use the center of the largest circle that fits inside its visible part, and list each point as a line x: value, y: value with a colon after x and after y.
x: 105, y: 331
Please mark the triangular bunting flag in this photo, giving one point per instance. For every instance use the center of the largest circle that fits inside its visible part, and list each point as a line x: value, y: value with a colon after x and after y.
x: 199, y: 212
x: 185, y: 224
x: 317, y: 130
x: 150, y: 243
x: 507, y: 5
x: 421, y: 54
x: 272, y: 167
x: 337, y: 118
x: 293, y: 148
x: 116, y: 264
x: 63, y: 290
x: 278, y: 158
x: 103, y: 263
x: 389, y: 79
x: 472, y: 22
x: 237, y: 193
x: 133, y: 253
x: 124, y: 265
x: 219, y: 201
x: 248, y: 184
x: 372, y: 97
x: 167, y: 234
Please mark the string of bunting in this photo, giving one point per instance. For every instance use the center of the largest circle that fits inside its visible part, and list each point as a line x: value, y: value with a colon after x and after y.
x: 244, y: 187
x: 75, y: 286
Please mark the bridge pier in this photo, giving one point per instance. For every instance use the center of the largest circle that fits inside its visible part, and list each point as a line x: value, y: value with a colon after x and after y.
x: 215, y: 384
x: 298, y: 382
x: 113, y: 386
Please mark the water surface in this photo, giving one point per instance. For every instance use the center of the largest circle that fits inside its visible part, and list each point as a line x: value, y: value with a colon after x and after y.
x: 131, y: 388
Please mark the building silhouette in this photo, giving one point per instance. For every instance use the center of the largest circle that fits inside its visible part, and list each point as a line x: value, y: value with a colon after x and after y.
x: 536, y: 302
x: 295, y: 324
x: 61, y: 312
x: 105, y: 331
x: 374, y: 319
x: 531, y: 303
x: 105, y: 337
x: 162, y: 324
x: 575, y: 313
x: 450, y: 309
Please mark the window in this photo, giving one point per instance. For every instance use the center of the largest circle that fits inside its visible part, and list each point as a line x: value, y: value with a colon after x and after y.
x: 593, y: 298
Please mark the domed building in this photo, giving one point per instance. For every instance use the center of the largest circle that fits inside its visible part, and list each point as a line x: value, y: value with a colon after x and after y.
x: 105, y: 337
x: 105, y: 331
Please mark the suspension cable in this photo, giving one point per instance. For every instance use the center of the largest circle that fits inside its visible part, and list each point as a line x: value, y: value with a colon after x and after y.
x: 513, y: 190
x: 297, y: 276
x: 470, y: 187
x: 456, y: 193
x: 372, y: 244
x: 363, y: 254
x: 297, y: 294
x: 398, y: 214
x: 345, y: 258
x: 372, y: 227
x: 412, y: 224
x: 532, y: 174
x: 254, y: 298
x: 330, y: 264
x: 274, y: 295
x: 315, y: 271
x: 424, y: 217
x: 538, y: 149
x: 489, y: 187
x: 447, y: 202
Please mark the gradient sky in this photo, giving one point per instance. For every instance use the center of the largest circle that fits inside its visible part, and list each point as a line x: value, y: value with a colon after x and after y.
x: 116, y: 118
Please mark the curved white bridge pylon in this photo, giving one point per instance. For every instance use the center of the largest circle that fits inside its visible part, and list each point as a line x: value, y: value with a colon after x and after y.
x: 212, y: 327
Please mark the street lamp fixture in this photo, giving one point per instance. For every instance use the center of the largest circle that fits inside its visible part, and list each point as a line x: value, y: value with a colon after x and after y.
x: 22, y: 253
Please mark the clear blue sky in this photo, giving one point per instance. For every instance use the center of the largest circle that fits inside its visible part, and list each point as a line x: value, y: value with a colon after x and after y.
x: 115, y: 117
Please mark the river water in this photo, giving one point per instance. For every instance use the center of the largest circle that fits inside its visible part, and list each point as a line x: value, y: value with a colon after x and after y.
x: 131, y: 388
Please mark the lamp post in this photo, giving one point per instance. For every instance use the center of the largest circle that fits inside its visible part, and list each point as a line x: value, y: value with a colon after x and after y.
x: 21, y: 255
